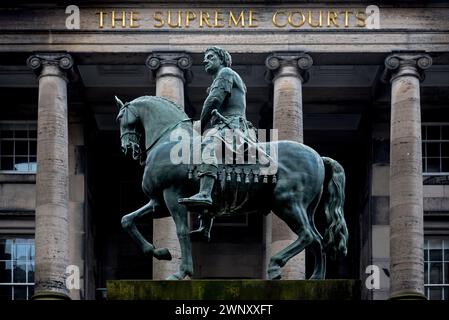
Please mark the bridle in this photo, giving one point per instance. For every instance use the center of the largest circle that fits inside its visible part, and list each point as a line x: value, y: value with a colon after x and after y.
x: 133, y: 136
x: 136, y: 140
x: 125, y: 107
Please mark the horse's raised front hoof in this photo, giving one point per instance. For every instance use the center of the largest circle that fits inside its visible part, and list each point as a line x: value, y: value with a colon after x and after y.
x: 126, y: 222
x: 162, y: 254
x: 148, y: 249
x: 274, y: 273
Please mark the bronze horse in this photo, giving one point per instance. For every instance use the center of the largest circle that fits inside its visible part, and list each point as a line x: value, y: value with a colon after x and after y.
x: 304, y: 179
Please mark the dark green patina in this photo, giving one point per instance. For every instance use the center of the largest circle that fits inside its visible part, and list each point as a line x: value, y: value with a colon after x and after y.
x: 234, y: 290
x: 304, y: 179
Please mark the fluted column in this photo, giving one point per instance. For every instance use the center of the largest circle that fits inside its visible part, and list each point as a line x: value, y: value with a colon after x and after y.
x: 52, y: 249
x: 405, y: 72
x: 170, y: 70
x: 288, y: 71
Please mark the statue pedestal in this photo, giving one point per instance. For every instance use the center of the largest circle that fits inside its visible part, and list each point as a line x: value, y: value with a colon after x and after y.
x: 233, y: 290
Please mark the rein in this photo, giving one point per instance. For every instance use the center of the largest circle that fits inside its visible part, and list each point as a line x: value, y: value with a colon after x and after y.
x: 161, y: 135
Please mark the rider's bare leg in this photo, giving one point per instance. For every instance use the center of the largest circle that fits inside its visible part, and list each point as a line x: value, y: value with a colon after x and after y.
x: 208, y: 175
x: 207, y: 171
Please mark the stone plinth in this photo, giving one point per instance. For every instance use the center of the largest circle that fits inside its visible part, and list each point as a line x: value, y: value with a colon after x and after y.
x: 233, y: 290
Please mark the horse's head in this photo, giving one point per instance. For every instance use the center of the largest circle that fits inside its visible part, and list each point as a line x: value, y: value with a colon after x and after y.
x: 128, y: 120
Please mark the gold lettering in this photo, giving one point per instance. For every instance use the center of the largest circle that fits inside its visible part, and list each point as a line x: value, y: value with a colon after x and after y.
x: 236, y: 22
x: 320, y: 20
x: 158, y: 17
x: 113, y: 19
x: 291, y: 17
x: 252, y: 18
x: 331, y: 17
x: 347, y: 13
x: 218, y: 19
x: 101, y: 21
x: 360, y: 16
x: 275, y: 21
x: 190, y: 15
x: 133, y: 18
x: 169, y: 20
x: 204, y: 17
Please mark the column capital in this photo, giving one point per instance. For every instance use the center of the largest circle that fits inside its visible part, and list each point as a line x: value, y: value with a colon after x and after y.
x: 277, y: 64
x: 59, y: 64
x: 181, y: 60
x: 406, y: 64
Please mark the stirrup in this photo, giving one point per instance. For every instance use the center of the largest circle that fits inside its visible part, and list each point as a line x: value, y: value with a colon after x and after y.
x: 204, y: 230
x: 199, y: 230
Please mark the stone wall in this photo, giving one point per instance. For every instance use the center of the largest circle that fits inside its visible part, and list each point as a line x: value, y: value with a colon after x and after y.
x: 77, y: 202
x: 428, y: 28
x: 435, y: 199
x: 17, y: 204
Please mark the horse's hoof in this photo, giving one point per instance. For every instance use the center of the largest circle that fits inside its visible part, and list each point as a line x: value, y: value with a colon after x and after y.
x: 162, y: 254
x: 316, y: 277
x: 174, y: 277
x: 126, y: 222
x: 274, y: 273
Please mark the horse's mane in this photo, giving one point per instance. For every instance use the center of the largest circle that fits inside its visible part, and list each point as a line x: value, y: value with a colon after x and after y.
x: 169, y: 102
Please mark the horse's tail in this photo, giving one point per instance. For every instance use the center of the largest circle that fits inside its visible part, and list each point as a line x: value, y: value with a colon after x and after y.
x: 336, y: 234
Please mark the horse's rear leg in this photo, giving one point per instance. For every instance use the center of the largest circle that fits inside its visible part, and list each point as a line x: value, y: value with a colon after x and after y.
x: 129, y: 224
x: 180, y: 217
x: 316, y: 247
x: 296, y: 218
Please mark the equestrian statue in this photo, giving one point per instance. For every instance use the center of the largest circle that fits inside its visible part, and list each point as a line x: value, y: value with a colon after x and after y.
x: 301, y: 182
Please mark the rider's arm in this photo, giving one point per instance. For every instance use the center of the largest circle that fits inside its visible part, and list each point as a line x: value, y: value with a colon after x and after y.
x: 213, y: 101
x: 219, y: 90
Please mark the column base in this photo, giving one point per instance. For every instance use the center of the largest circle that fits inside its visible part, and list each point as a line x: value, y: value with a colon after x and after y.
x: 49, y: 295
x: 408, y: 296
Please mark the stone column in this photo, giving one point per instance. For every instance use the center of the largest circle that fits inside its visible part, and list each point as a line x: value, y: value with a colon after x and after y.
x: 170, y: 70
x: 288, y: 71
x: 52, y: 248
x: 406, y: 187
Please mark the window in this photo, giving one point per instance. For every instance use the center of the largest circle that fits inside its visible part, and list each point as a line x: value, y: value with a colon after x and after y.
x: 436, y: 269
x: 16, y: 268
x: 435, y: 148
x: 18, y: 147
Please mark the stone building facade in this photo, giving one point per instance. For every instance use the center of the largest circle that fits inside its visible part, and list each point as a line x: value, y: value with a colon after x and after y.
x: 367, y: 86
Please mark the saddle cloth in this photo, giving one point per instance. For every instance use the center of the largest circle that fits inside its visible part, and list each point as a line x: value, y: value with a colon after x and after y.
x: 234, y: 185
